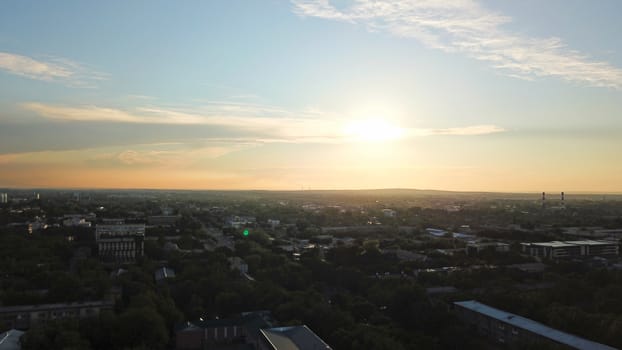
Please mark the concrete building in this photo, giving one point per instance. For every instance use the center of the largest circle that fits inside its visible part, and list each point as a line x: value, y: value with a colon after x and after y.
x: 4, y: 198
x: 570, y: 249
x: 518, y: 332
x: 120, y: 243
x: 25, y: 316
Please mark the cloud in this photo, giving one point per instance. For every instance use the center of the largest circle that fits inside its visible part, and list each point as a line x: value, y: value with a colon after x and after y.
x: 241, y: 123
x: 466, y: 27
x: 267, y: 124
x: 464, y: 131
x: 54, y: 69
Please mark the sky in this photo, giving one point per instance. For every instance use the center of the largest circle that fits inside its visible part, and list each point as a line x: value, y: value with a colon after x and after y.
x: 468, y: 95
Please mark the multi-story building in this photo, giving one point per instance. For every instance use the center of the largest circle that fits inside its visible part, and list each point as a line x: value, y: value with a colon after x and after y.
x: 243, y: 329
x: 4, y: 198
x: 569, y: 249
x: 250, y: 330
x: 25, y: 316
x: 518, y: 332
x: 120, y: 243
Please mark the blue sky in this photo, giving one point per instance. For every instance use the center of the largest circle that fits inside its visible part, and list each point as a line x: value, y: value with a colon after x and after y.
x: 461, y: 95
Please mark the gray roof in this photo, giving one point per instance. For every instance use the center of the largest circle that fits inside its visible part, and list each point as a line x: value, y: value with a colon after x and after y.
x: 533, y: 326
x: 294, y: 338
x: 9, y: 340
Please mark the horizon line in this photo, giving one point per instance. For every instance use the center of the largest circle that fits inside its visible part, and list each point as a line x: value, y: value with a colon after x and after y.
x: 566, y: 193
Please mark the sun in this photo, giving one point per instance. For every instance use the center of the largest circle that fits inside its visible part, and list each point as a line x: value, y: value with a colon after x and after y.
x: 372, y: 130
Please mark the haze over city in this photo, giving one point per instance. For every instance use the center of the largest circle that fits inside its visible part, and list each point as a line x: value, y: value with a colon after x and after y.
x: 520, y: 96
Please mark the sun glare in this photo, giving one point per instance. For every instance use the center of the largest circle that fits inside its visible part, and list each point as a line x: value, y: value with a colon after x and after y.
x: 373, y: 130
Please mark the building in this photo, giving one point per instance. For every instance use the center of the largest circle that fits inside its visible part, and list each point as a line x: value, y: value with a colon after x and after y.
x: 25, y: 316
x: 120, y: 243
x: 78, y: 220
x: 274, y: 223
x: 163, y: 273
x: 571, y: 249
x: 435, y: 232
x: 10, y: 340
x: 250, y: 330
x: 516, y: 331
x: 475, y: 248
x: 291, y: 338
x: 593, y: 232
x: 202, y: 334
x: 237, y: 263
x: 240, y: 221
x: 4, y: 198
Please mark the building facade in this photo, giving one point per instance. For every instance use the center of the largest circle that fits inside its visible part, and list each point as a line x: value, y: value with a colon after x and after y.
x: 518, y: 332
x: 120, y: 243
x: 25, y: 316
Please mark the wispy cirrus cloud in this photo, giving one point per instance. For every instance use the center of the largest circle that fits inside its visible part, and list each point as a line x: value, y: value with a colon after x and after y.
x: 462, y: 131
x: 466, y: 27
x: 51, y: 69
x: 246, y: 123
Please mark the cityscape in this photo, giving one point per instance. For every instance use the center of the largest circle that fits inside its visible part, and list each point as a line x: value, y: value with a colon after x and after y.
x: 310, y: 175
x: 376, y: 269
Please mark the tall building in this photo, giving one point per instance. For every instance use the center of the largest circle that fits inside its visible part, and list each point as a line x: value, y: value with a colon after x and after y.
x: 4, y: 198
x: 120, y: 243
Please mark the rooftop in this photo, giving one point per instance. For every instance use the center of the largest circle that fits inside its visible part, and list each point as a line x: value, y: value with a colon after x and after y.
x: 294, y: 338
x: 533, y: 326
x: 9, y: 340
